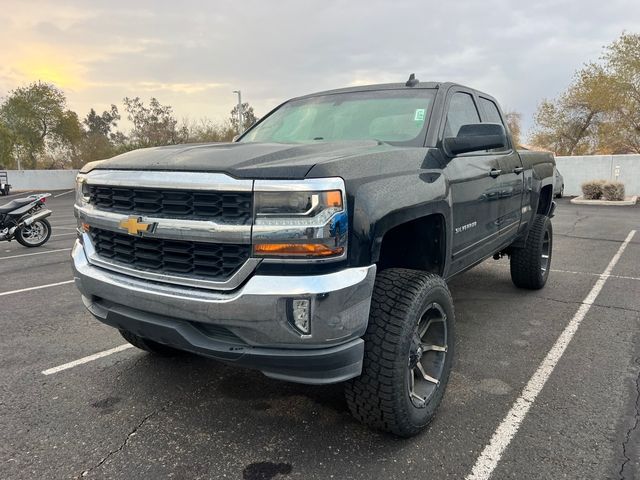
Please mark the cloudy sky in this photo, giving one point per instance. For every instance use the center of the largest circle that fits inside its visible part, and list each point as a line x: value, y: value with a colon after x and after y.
x: 192, y: 54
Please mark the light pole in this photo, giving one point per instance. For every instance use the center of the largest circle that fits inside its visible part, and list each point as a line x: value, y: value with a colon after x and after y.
x: 240, y: 115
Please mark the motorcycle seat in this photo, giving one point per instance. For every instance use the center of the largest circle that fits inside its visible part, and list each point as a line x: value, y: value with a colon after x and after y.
x: 14, y: 204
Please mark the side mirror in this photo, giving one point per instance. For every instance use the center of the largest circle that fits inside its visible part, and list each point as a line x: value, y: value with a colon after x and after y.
x: 475, y: 137
x: 235, y: 138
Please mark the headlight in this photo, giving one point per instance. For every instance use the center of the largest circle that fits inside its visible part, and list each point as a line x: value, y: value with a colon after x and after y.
x: 82, y: 192
x: 297, y: 208
x: 301, y: 222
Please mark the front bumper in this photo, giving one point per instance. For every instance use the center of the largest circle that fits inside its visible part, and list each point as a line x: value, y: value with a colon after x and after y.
x: 248, y: 326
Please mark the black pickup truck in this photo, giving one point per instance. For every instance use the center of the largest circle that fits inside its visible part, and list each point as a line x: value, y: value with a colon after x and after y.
x: 318, y: 246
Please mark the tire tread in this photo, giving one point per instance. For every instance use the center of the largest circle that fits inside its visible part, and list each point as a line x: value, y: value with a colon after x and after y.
x: 373, y: 398
x: 525, y: 262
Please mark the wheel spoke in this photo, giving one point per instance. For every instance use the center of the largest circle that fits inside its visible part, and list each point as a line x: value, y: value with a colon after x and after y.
x: 433, y: 348
x: 430, y: 322
x: 413, y: 386
x: 426, y: 376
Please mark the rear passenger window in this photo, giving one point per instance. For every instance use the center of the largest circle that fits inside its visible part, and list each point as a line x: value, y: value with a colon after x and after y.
x: 462, y: 111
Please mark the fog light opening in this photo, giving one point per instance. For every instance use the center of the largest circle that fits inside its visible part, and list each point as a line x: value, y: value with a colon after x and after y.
x: 300, y: 315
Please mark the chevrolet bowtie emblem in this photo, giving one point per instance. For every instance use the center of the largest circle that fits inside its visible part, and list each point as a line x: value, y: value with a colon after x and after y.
x: 134, y: 226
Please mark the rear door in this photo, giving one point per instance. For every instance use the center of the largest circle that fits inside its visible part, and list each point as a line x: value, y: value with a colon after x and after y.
x: 511, y: 174
x: 474, y: 188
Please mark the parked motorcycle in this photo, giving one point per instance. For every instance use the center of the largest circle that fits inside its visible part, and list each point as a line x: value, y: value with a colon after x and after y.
x: 25, y: 220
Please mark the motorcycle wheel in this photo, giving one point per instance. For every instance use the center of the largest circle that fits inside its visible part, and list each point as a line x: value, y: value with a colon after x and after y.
x: 34, y: 235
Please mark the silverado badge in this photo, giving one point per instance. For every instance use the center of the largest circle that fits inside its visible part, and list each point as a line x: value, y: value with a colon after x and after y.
x: 134, y: 226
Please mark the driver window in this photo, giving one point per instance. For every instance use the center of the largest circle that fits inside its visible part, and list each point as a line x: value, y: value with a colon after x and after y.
x: 462, y: 111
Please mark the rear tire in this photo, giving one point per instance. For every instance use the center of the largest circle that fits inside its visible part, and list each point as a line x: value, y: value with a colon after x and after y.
x: 149, y: 345
x: 34, y: 235
x: 530, y: 265
x: 393, y: 393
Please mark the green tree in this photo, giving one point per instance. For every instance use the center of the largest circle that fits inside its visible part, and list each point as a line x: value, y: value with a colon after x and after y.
x: 205, y: 130
x: 101, y: 139
x: 102, y: 124
x: 37, y: 118
x: 248, y: 117
x: 6, y: 147
x: 154, y: 125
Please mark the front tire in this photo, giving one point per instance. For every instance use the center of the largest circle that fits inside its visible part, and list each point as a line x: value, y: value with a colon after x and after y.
x: 149, y: 345
x: 34, y: 235
x: 530, y: 265
x: 408, y: 353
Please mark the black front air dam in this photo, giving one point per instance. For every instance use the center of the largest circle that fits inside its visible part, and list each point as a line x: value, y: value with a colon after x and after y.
x: 309, y: 365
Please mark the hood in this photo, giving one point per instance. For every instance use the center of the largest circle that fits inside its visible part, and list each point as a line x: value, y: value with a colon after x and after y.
x: 241, y: 160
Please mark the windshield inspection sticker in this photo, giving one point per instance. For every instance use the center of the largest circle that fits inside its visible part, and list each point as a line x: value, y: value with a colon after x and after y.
x: 419, y: 117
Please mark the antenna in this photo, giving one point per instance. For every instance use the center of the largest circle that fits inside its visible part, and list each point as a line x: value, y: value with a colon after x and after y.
x: 413, y: 81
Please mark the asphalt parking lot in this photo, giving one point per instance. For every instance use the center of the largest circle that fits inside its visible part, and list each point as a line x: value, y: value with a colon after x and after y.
x: 131, y: 415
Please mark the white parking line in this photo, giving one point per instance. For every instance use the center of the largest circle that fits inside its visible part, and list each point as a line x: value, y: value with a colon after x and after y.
x: 36, y: 253
x: 87, y: 359
x: 63, y: 193
x: 622, y: 277
x: 16, y: 195
x: 63, y: 234
x: 490, y: 456
x: 11, y: 292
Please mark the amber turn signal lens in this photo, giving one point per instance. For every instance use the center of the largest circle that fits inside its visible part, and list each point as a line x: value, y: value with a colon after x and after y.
x: 297, y: 249
x: 85, y: 227
x: 334, y: 198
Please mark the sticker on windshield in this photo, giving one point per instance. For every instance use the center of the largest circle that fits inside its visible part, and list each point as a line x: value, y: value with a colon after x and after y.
x: 419, y: 117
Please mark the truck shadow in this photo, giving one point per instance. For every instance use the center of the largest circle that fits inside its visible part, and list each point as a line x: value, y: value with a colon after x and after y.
x: 287, y: 428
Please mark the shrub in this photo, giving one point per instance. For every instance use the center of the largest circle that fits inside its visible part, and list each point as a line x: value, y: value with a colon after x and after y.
x: 592, y: 190
x: 613, y: 191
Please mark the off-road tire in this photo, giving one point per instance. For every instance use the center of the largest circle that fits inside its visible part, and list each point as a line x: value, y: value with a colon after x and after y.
x: 379, y: 397
x: 527, y: 262
x: 149, y: 345
x: 19, y: 237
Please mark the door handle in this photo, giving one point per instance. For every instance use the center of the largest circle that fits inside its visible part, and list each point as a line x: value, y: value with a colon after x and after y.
x: 518, y: 170
x: 495, y: 173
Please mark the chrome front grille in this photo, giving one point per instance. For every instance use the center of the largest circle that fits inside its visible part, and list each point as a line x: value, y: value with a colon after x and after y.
x: 210, y: 261
x: 234, y: 208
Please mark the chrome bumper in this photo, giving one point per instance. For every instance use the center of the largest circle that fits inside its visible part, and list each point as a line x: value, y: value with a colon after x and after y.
x: 256, y: 312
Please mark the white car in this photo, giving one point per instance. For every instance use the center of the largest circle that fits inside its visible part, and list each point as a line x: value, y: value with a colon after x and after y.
x: 558, y: 184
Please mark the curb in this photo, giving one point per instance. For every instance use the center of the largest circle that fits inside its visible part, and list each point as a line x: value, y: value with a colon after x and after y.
x: 616, y: 203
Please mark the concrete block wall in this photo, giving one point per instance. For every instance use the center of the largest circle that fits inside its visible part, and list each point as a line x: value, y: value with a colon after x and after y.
x: 579, y: 169
x: 42, y: 179
x: 575, y: 170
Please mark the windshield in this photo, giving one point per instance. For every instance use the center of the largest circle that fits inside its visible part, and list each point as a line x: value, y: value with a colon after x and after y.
x: 394, y: 116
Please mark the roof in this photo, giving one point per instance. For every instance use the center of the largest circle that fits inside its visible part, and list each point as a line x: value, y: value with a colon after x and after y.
x: 382, y: 86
